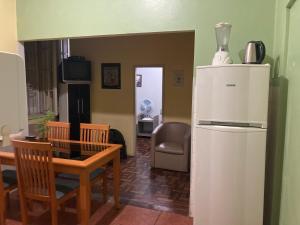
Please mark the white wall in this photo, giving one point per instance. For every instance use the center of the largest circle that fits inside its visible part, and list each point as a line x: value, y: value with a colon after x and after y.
x: 151, y: 88
x: 13, y: 98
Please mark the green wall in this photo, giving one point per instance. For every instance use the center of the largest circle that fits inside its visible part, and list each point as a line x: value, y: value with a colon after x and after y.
x: 251, y: 20
x: 286, y: 49
x: 50, y: 19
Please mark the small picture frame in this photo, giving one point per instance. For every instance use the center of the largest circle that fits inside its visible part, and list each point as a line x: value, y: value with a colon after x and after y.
x: 111, y: 75
x: 178, y: 78
x: 138, y: 80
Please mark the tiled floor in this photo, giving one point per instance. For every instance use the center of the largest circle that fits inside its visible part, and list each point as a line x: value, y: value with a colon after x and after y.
x: 159, y: 194
x: 153, y: 188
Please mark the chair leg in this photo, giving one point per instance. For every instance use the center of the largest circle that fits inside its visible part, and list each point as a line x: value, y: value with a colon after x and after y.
x: 2, y: 218
x: 7, y: 199
x: 24, y: 210
x: 104, y: 186
x: 54, y: 217
x: 63, y: 207
x: 78, y: 208
x: 3, y: 211
x: 30, y: 204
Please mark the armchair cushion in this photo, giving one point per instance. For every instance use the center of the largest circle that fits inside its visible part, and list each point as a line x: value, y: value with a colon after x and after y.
x: 170, y: 147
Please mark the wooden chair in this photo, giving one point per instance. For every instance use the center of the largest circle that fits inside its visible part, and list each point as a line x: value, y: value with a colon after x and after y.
x: 36, y: 179
x: 97, y: 133
x: 93, y: 133
x: 58, y: 130
x: 8, y: 182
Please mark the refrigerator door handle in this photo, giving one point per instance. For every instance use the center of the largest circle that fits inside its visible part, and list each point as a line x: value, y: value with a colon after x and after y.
x: 82, y: 106
x: 230, y: 124
x: 231, y: 129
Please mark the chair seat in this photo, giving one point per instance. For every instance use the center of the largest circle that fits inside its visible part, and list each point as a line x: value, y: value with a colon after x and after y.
x: 97, y: 172
x: 170, y: 148
x: 9, y: 178
x: 64, y: 186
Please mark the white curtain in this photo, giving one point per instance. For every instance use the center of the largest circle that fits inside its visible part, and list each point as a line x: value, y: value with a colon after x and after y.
x: 41, y: 60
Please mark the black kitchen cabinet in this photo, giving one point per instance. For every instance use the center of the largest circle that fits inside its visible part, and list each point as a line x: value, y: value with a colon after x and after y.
x: 75, y: 107
x: 79, y: 108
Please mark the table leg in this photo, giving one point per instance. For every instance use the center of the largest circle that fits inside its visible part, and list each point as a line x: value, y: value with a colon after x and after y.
x: 117, y: 171
x: 85, y: 198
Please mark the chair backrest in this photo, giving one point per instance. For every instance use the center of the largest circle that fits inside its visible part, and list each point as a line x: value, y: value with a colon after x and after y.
x: 35, y: 170
x: 97, y: 133
x: 175, y: 131
x: 58, y: 130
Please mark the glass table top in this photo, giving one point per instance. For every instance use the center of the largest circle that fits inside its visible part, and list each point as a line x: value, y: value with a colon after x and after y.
x: 74, y: 150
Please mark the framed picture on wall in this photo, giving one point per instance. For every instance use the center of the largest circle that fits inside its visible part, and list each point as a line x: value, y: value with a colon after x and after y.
x: 111, y: 75
x: 138, y: 80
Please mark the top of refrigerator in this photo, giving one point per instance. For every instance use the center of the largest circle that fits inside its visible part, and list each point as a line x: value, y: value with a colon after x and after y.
x: 234, y: 94
x: 233, y: 65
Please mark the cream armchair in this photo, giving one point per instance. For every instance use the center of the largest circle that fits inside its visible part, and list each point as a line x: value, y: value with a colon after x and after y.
x: 170, y: 147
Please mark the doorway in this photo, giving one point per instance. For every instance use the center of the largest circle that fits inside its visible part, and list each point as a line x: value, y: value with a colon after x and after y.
x: 148, y: 99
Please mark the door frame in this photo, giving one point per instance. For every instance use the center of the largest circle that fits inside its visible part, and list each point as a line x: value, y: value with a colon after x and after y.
x: 278, y: 204
x: 134, y: 95
x: 288, y: 8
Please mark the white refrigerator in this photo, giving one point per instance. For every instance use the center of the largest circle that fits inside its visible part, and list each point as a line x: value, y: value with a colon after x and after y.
x: 230, y: 107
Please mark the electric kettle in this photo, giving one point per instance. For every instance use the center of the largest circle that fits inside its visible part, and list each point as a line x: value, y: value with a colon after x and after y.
x: 255, y: 52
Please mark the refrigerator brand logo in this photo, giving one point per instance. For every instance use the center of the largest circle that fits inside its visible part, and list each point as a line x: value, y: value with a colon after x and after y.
x: 230, y: 85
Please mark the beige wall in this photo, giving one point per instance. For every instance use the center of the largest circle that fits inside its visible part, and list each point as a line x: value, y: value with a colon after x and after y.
x: 116, y: 107
x: 14, y: 109
x: 8, y: 26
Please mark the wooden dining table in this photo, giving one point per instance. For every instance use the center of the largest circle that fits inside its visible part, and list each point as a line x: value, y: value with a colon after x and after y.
x: 81, y: 158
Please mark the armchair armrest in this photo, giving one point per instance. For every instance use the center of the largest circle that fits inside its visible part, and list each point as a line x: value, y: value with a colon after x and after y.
x: 187, y: 141
x: 155, y: 121
x: 187, y: 135
x: 156, y: 135
x: 156, y: 138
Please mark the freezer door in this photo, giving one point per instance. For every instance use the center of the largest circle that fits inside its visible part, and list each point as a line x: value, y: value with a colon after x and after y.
x: 228, y: 167
x: 237, y: 93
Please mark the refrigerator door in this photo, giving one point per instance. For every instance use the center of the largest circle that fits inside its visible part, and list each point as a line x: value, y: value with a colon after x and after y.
x: 232, y: 93
x: 228, y: 167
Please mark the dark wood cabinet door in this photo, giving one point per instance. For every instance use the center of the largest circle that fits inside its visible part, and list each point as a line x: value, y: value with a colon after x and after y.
x: 75, y: 127
x: 74, y: 110
x: 85, y: 103
x: 73, y: 99
x: 79, y: 107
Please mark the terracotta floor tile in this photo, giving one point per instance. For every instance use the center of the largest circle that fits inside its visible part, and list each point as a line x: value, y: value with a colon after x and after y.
x: 132, y: 215
x: 166, y: 218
